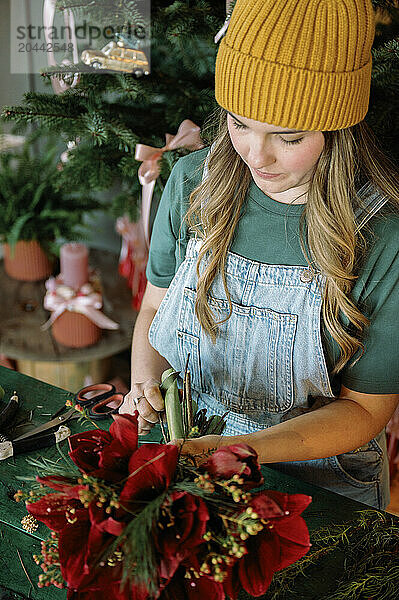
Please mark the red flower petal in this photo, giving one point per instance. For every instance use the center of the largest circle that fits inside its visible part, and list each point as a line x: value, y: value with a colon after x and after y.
x: 113, y: 527
x: 294, y: 504
x: 97, y: 437
x: 125, y: 429
x: 113, y: 462
x: 151, y: 470
x: 271, y: 504
x: 181, y: 588
x: 105, y: 524
x: 256, y: 569
x: 237, y: 459
x: 294, y: 540
x: 265, y: 506
x: 51, y: 510
x: 175, y: 544
x: 61, y: 484
x: 231, y: 583
x: 85, y: 448
x: 72, y: 548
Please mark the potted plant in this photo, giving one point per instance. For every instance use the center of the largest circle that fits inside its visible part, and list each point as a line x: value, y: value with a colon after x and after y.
x: 35, y: 212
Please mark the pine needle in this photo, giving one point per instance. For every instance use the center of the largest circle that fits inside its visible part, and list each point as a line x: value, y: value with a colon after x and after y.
x: 23, y: 566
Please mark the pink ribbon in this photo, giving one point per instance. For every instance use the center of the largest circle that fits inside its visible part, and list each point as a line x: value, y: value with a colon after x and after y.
x: 60, y: 298
x: 136, y: 236
x: 187, y: 136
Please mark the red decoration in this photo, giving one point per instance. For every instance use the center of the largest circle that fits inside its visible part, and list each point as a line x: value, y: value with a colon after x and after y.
x: 264, y: 531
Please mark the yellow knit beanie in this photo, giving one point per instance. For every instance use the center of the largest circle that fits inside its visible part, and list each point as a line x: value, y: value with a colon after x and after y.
x: 304, y: 64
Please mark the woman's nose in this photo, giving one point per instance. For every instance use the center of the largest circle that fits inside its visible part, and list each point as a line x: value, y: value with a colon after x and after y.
x: 261, y: 157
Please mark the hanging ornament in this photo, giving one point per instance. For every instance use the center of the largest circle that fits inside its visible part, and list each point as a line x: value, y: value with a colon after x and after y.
x: 67, y: 80
x: 71, y: 145
x: 134, y: 255
x: 64, y: 157
x: 222, y: 31
x: 118, y: 56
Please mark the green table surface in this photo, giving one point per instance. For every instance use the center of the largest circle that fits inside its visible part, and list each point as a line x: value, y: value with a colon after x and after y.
x: 17, y: 546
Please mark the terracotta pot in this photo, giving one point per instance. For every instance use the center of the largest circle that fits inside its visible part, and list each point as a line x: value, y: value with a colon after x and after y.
x: 28, y: 262
x: 75, y: 330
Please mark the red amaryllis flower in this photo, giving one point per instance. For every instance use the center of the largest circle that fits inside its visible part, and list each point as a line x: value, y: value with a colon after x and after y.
x: 84, y: 534
x: 106, y: 454
x: 179, y: 531
x: 237, y: 459
x: 80, y: 546
x: 151, y: 470
x: 284, y: 539
x: 54, y: 509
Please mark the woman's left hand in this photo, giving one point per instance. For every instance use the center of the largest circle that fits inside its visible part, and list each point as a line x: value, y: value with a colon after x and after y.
x: 200, y: 448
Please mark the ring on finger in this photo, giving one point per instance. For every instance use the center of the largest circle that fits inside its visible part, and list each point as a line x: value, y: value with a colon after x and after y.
x: 137, y: 400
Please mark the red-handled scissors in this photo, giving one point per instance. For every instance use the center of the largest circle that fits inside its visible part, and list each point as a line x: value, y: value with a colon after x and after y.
x: 101, y: 400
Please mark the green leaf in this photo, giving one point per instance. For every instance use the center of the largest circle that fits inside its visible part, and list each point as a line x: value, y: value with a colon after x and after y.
x: 38, y: 194
x: 173, y: 408
x: 15, y: 231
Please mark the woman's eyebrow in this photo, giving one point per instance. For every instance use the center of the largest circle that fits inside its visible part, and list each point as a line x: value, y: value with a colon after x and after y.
x: 281, y: 132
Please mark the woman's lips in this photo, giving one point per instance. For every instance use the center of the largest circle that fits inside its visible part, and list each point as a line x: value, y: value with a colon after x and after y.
x: 266, y: 176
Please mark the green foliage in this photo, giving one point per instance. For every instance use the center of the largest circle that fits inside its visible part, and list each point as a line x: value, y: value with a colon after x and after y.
x: 106, y: 12
x: 369, y: 547
x: 33, y: 204
x: 110, y: 113
x: 138, y: 545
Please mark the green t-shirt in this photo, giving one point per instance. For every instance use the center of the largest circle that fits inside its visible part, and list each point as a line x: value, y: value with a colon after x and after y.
x: 268, y: 232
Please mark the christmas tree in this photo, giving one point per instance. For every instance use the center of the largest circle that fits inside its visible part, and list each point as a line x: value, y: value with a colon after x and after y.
x: 105, y: 116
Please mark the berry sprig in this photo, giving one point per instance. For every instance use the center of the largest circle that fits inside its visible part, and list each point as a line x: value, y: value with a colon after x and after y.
x: 104, y: 494
x: 84, y: 412
x: 32, y: 495
x: 223, y: 550
x: 230, y: 486
x: 49, y: 562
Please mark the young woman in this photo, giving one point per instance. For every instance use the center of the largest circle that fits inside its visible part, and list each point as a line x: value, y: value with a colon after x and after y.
x: 274, y: 257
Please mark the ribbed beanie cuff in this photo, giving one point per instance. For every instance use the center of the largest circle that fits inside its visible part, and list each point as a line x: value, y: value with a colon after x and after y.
x: 336, y: 101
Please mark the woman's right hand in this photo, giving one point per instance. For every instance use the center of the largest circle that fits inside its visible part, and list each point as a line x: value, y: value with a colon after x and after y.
x: 147, y: 399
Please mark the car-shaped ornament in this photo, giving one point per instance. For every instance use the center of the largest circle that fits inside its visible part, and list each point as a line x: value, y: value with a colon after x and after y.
x: 117, y: 58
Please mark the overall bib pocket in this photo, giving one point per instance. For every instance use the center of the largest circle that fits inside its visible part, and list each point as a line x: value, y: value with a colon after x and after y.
x: 250, y: 367
x: 188, y: 344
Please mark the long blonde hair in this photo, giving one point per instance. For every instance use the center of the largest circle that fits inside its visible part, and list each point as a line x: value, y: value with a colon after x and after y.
x: 327, y: 227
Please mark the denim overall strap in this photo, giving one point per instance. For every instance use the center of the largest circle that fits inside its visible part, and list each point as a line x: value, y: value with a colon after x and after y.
x: 267, y: 364
x: 373, y: 201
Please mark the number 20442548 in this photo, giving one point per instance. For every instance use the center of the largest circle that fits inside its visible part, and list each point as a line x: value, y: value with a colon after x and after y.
x: 44, y: 47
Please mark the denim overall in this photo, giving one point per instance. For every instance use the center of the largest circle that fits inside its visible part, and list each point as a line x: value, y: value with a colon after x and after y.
x: 267, y: 365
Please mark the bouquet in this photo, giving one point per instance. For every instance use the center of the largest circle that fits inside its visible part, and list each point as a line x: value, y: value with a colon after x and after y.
x: 138, y: 522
